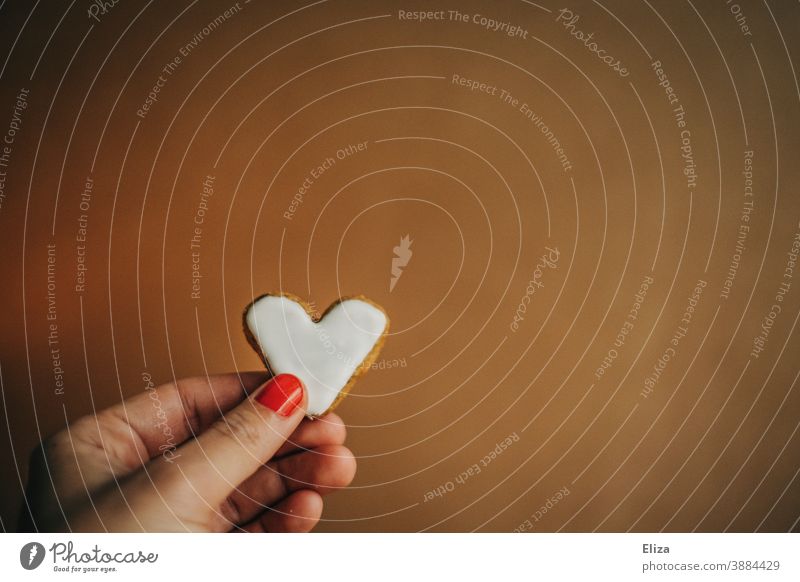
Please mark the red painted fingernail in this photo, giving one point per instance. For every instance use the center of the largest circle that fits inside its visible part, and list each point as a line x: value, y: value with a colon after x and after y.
x: 283, y: 394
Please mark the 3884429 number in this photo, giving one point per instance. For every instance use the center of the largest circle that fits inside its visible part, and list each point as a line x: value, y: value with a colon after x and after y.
x: 755, y: 565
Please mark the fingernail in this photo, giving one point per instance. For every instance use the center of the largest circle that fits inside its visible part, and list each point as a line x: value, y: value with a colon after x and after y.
x: 283, y: 394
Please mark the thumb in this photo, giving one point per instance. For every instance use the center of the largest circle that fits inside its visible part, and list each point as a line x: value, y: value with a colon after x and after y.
x: 240, y: 442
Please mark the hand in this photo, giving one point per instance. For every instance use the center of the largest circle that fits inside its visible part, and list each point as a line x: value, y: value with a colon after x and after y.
x: 203, y: 454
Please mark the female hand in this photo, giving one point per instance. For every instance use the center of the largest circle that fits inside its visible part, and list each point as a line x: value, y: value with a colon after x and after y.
x: 204, y: 454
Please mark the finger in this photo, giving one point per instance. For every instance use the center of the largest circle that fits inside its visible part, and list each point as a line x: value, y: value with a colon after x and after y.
x: 323, y: 470
x: 132, y: 432
x: 298, y: 513
x: 168, y: 415
x: 312, y: 433
x: 235, y: 446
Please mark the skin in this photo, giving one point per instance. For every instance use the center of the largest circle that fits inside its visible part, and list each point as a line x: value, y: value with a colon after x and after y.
x: 238, y: 466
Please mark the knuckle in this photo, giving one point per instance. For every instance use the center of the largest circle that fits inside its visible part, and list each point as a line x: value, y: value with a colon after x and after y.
x: 242, y: 427
x: 187, y: 397
x: 230, y: 511
x: 49, y: 447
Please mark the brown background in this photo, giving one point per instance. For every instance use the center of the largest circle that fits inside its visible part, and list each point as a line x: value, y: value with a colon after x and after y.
x: 277, y: 89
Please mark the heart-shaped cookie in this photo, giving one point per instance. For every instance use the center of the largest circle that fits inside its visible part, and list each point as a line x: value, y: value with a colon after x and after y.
x: 327, y: 354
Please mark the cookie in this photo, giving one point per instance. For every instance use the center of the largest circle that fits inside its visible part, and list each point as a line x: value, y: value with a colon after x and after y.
x: 328, y: 353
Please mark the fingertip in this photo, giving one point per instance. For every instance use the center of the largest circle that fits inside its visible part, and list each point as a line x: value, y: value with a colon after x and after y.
x: 311, y: 504
x: 298, y: 513
x: 284, y: 394
x: 335, y: 429
x: 336, y: 468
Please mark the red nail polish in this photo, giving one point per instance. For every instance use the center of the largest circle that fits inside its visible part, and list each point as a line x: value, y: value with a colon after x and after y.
x: 283, y: 394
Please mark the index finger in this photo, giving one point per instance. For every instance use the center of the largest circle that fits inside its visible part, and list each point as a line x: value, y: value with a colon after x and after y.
x: 170, y: 414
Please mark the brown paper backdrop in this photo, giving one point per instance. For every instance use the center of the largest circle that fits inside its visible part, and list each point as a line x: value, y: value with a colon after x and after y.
x: 267, y: 94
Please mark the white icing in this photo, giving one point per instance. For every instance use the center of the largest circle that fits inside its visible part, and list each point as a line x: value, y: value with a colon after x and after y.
x: 323, y: 355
